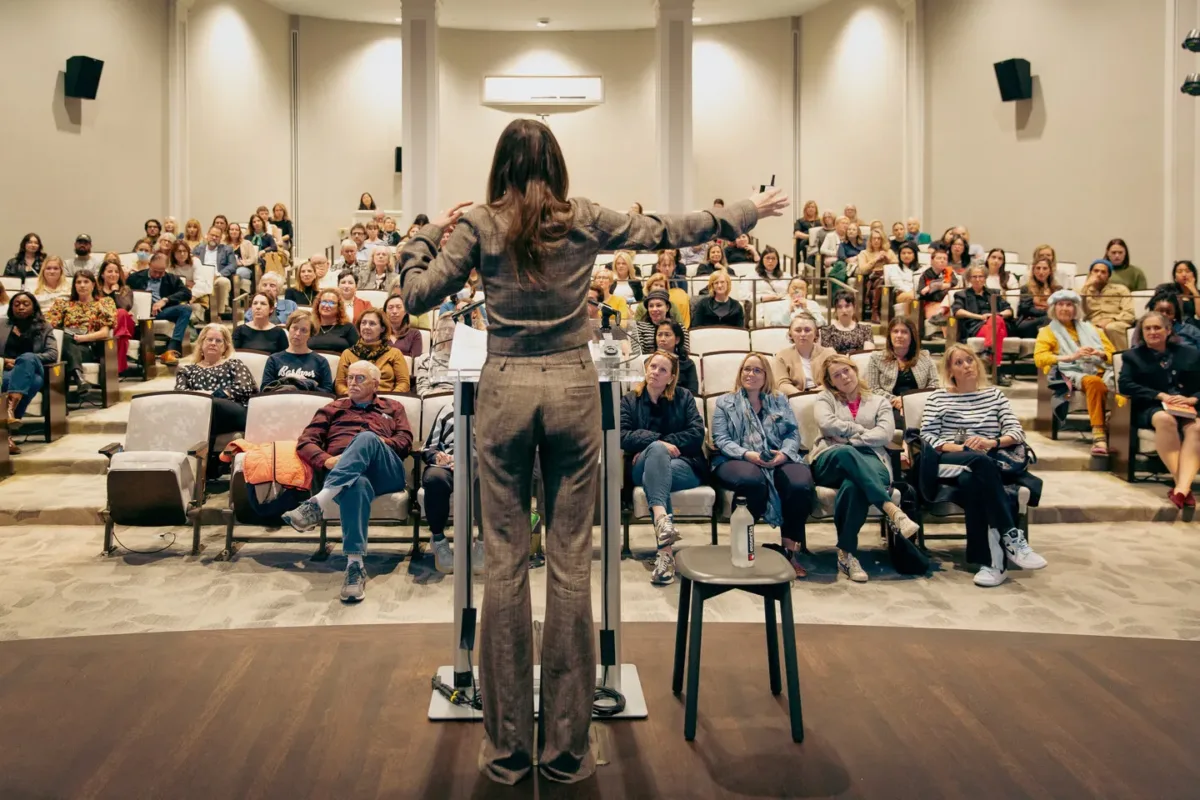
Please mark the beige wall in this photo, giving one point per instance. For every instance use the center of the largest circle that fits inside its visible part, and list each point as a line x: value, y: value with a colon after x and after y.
x: 350, y: 124
x: 239, y: 101
x: 610, y: 148
x: 742, y: 115
x: 1087, y: 164
x: 852, y: 107
x: 94, y: 166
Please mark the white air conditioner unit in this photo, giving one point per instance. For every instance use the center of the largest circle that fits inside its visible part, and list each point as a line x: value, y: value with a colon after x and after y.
x: 543, y: 90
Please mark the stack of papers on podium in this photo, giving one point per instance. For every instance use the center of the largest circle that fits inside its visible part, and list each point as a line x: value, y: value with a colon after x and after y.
x: 469, y: 350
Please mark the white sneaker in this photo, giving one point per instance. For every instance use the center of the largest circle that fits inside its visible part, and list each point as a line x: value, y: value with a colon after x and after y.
x: 664, y: 531
x: 990, y: 576
x: 1019, y: 552
x: 905, y: 524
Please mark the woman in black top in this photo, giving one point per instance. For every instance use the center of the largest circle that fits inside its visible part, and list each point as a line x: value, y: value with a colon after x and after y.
x: 668, y: 337
x: 279, y: 218
x: 1183, y: 283
x: 213, y: 371
x: 260, y: 237
x: 366, y: 202
x: 29, y: 257
x: 308, y: 371
x: 260, y: 333
x: 334, y: 331
x: 717, y: 307
x: 809, y: 219
x: 29, y: 345
x: 1161, y: 371
x: 304, y: 293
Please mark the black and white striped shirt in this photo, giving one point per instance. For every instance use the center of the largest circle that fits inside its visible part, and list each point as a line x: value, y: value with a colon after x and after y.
x: 986, y: 413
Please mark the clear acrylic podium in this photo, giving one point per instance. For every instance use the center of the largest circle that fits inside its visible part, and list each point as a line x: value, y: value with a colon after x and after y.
x: 611, y: 672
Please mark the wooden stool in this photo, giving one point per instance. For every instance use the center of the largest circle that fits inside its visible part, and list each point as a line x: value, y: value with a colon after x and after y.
x: 706, y: 572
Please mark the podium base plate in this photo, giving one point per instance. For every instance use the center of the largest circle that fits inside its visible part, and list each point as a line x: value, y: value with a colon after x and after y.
x: 441, y: 709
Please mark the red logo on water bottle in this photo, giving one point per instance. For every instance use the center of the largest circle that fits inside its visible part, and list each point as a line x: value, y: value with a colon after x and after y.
x: 750, y: 544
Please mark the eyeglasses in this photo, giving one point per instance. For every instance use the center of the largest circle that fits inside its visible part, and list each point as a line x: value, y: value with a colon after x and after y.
x: 357, y: 379
x: 753, y: 371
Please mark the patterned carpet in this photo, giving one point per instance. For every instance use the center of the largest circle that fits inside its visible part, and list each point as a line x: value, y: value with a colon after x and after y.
x: 1133, y: 579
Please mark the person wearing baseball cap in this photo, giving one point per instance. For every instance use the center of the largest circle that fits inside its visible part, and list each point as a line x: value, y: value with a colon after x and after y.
x: 84, y: 257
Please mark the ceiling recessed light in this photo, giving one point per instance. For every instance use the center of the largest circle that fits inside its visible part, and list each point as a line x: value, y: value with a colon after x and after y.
x: 543, y: 22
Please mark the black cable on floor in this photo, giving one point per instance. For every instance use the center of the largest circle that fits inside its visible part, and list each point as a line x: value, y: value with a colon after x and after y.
x: 608, y: 702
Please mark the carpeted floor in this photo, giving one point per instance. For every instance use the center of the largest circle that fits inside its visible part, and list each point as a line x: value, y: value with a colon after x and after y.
x: 339, y: 712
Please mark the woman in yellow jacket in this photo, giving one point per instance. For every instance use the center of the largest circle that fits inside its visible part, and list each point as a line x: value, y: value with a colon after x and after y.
x: 372, y: 346
x: 1083, y: 354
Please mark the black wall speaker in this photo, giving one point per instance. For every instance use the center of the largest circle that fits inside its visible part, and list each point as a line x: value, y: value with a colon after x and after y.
x: 83, y: 77
x: 399, y: 164
x: 1014, y: 79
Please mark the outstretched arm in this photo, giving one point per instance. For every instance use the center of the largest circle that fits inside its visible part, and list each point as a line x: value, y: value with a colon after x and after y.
x: 616, y: 230
x: 427, y: 276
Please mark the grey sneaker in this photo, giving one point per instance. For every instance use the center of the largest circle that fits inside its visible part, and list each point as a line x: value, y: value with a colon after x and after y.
x: 304, y: 517
x: 904, y: 524
x: 664, y: 569
x: 478, y: 564
x: 664, y: 531
x: 443, y: 556
x: 849, y: 565
x: 352, y: 585
x: 1019, y: 552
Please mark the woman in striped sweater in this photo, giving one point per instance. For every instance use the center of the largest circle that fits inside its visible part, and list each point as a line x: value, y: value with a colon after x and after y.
x: 964, y: 422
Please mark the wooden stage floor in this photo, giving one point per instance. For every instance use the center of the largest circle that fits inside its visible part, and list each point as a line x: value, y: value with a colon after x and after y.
x: 339, y: 712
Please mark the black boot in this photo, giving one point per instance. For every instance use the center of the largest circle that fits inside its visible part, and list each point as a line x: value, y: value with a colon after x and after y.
x: 81, y: 384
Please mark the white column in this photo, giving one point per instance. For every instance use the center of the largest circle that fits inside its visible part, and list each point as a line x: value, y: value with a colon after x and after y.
x: 913, y: 200
x: 419, y: 90
x: 673, y: 39
x: 177, y: 149
x: 1181, y: 134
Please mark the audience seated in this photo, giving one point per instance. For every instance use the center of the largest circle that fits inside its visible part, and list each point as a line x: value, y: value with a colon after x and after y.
x: 717, y: 307
x: 973, y: 309
x: 851, y: 456
x: 804, y: 362
x: 260, y: 332
x: 271, y: 284
x: 350, y: 260
x: 142, y: 251
x: 372, y: 346
x: 378, y: 275
x: 656, y: 308
x: 153, y: 229
x: 192, y: 234
x: 915, y: 234
x: 224, y: 260
x: 959, y: 254
x: 170, y: 302
x: 850, y: 212
x: 304, y: 292
x: 962, y: 423
x: 1183, y: 283
x: 975, y: 252
x: 899, y: 236
x: 667, y: 266
x: 817, y: 239
x: 437, y: 479
x: 361, y: 440
x: 260, y: 237
x: 87, y: 319
x: 614, y: 332
x: 374, y: 238
x: 903, y: 274
x: 604, y: 279
x: 741, y: 251
x: 998, y: 277
x: 713, y: 260
x: 681, y: 303
x: 326, y: 276
x: 1033, y: 309
x: 1169, y: 304
x: 663, y: 433
x: 851, y: 244
x: 758, y: 457
x: 29, y: 345
x: 1162, y: 378
x: 872, y: 264
x: 171, y: 228
x: 430, y: 368
x: 298, y: 366
x: 935, y: 283
x: 221, y: 222
x: 165, y: 245
x: 1047, y: 252
x: 669, y: 337
x: 1083, y: 355
x: 335, y: 331
x: 388, y: 233
x: 182, y: 264
x: 347, y: 287
x: 243, y: 249
x: 845, y: 333
x: 1109, y: 305
x: 1123, y: 271
x: 358, y: 235
x: 112, y: 286
x: 401, y: 333
x: 626, y: 283
x: 283, y: 222
x: 213, y: 371
x: 366, y: 202
x: 902, y: 366
x: 770, y: 282
x: 802, y: 233
x: 797, y: 301
x: 84, y: 257
x: 52, y: 282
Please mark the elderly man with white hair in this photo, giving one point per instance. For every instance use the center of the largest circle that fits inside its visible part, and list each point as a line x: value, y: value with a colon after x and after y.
x: 362, y: 440
x: 271, y: 284
x: 350, y: 258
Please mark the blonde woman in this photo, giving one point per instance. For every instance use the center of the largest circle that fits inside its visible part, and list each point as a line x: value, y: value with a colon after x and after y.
x: 626, y: 283
x: 604, y: 278
x: 851, y: 456
x: 798, y: 301
x: 717, y: 307
x: 714, y: 259
x: 963, y: 422
x: 831, y: 244
x: 803, y: 362
x: 52, y: 283
x: 227, y: 380
x: 192, y: 234
x: 243, y: 249
x: 872, y: 262
x: 810, y: 218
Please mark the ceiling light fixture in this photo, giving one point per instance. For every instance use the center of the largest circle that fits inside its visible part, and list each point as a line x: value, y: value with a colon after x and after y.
x: 543, y: 22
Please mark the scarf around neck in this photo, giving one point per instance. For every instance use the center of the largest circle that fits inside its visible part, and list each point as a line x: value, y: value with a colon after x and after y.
x: 368, y: 352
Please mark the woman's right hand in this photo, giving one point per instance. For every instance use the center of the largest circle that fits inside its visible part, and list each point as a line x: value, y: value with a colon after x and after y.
x: 770, y: 203
x: 754, y: 458
x: 898, y: 403
x: 9, y: 363
x: 452, y: 215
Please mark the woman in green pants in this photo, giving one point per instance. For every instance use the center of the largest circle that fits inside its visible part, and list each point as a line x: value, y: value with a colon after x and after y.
x: 856, y: 425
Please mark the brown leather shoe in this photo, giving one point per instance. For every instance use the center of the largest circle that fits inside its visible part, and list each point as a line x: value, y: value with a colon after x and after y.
x: 170, y: 358
x: 13, y: 450
x: 794, y: 558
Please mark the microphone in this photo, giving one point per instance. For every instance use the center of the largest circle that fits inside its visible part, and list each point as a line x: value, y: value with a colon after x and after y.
x: 607, y: 313
x: 467, y: 309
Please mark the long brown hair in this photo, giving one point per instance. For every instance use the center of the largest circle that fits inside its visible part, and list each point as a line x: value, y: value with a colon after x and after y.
x: 904, y: 360
x: 529, y: 183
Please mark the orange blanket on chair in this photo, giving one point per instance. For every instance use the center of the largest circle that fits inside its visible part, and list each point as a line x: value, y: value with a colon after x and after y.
x: 271, y: 462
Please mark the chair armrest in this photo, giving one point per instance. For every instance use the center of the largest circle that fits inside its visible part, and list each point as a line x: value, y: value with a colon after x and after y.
x: 110, y: 450
x: 199, y: 450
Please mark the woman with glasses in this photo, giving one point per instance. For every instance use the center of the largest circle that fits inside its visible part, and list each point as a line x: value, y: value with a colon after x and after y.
x: 333, y: 330
x: 372, y: 345
x: 309, y: 371
x: 758, y: 455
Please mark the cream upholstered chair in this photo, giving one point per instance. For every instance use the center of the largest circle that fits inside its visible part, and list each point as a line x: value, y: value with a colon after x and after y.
x: 689, y: 505
x: 375, y: 297
x: 1132, y: 449
x: 769, y: 339
x: 431, y: 406
x: 719, y: 371
x: 255, y: 361
x: 718, y: 338
x: 157, y: 477
x: 49, y: 406
x: 269, y: 418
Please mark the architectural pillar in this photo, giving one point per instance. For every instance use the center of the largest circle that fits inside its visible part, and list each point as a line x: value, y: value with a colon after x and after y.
x: 913, y: 182
x: 673, y: 111
x: 419, y: 91
x: 1181, y: 135
x: 177, y: 146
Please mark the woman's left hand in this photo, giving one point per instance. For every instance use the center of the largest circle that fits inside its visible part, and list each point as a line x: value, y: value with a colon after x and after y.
x: 779, y: 459
x: 452, y: 215
x: 672, y: 449
x: 980, y: 443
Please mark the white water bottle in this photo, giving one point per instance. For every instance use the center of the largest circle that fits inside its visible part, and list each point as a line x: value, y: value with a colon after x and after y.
x: 741, y: 534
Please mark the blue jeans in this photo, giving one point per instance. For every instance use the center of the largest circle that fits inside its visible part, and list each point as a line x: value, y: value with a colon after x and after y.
x: 245, y: 273
x: 659, y: 475
x: 181, y: 315
x: 25, y: 377
x: 366, y: 468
